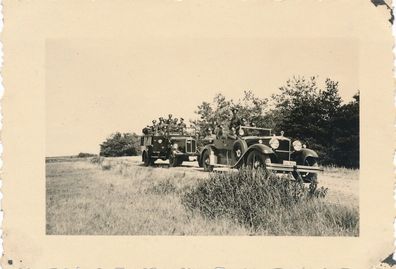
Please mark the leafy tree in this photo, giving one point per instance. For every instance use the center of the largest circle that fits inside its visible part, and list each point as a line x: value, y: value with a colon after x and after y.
x: 346, y: 134
x: 317, y: 117
x: 218, y: 112
x: 117, y: 144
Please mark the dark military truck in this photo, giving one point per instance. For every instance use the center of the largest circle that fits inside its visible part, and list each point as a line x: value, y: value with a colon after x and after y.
x: 258, y: 147
x: 176, y: 147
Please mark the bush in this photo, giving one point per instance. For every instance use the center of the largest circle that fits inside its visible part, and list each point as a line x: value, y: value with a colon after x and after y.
x: 275, y: 205
x: 117, y: 144
x: 85, y: 155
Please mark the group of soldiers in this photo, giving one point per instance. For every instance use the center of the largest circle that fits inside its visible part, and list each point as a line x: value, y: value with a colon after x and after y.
x: 166, y: 126
x: 232, y: 131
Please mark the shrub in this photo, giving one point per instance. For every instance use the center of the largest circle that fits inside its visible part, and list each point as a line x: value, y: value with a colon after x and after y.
x: 276, y: 205
x: 97, y: 160
x: 85, y: 155
x: 118, y: 144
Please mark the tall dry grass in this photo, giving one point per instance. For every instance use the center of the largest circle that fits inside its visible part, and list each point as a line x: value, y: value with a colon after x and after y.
x: 271, y: 205
x: 117, y: 196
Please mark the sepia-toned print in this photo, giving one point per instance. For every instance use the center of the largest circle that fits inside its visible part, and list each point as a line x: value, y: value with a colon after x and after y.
x: 276, y: 154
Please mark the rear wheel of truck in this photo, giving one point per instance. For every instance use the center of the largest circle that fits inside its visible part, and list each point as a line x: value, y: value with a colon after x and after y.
x: 174, y: 160
x: 206, y: 161
x: 146, y: 159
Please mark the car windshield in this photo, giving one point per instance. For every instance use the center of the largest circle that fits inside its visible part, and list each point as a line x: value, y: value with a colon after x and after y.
x: 253, y: 131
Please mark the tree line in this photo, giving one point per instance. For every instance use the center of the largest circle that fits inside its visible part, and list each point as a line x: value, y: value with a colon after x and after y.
x: 301, y: 108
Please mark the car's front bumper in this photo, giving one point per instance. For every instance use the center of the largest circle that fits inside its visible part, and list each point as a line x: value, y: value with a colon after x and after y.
x: 293, y: 168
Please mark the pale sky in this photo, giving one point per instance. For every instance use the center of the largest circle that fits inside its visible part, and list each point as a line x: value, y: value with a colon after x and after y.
x: 95, y: 87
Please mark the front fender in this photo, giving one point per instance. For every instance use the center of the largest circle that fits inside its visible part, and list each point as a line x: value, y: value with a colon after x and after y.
x: 303, y: 154
x: 260, y: 147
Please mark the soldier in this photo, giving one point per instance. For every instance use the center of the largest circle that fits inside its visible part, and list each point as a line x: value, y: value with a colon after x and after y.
x: 232, y: 134
x: 219, y: 131
x: 161, y: 125
x: 173, y: 125
x: 209, y: 135
x: 235, y: 121
x: 169, y: 120
x: 146, y: 130
x: 154, y: 127
x: 182, y: 126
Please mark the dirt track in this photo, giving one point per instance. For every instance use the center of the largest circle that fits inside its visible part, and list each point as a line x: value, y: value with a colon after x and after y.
x: 342, y: 184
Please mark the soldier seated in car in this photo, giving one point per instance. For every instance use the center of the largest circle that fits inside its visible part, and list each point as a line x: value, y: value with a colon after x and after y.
x: 235, y: 120
x: 232, y: 134
x: 219, y: 131
x: 209, y: 135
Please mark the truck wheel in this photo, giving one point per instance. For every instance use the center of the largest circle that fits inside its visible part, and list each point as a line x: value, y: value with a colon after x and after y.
x: 146, y: 159
x: 257, y: 160
x: 173, y: 160
x: 206, y: 161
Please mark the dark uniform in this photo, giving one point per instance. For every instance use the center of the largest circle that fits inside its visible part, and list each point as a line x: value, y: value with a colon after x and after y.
x: 161, y: 125
x: 235, y: 120
x: 169, y: 120
x: 181, y: 126
x: 154, y: 127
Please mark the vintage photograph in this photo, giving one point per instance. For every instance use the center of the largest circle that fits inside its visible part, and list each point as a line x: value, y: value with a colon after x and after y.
x: 189, y: 134
x: 199, y: 136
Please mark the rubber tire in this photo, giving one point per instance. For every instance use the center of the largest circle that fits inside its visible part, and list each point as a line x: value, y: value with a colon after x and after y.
x: 200, y: 164
x: 310, y: 177
x: 256, y: 160
x: 238, y: 146
x: 173, y: 160
x: 205, y: 161
x: 146, y: 159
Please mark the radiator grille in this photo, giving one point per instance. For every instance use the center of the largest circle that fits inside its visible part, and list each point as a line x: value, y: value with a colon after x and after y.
x: 284, y: 145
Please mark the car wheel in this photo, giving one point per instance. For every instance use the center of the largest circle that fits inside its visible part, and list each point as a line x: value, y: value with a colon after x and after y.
x: 310, y: 177
x: 173, y: 160
x: 257, y: 160
x: 146, y: 159
x: 238, y: 150
x: 206, y: 161
x: 200, y: 164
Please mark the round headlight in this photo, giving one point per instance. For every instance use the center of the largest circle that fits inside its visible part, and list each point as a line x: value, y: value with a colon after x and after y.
x: 260, y: 141
x: 175, y: 146
x: 159, y: 141
x: 274, y: 143
x: 241, y: 132
x: 297, y: 146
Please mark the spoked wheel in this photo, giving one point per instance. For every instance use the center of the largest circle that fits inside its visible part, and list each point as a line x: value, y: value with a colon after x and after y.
x: 238, y: 150
x: 258, y: 160
x: 206, y: 161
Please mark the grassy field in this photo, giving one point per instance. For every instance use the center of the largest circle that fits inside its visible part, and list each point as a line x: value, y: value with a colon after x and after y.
x: 118, y: 196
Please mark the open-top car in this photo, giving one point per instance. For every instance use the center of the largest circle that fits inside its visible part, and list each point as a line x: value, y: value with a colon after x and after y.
x: 259, y: 148
x: 174, y: 146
